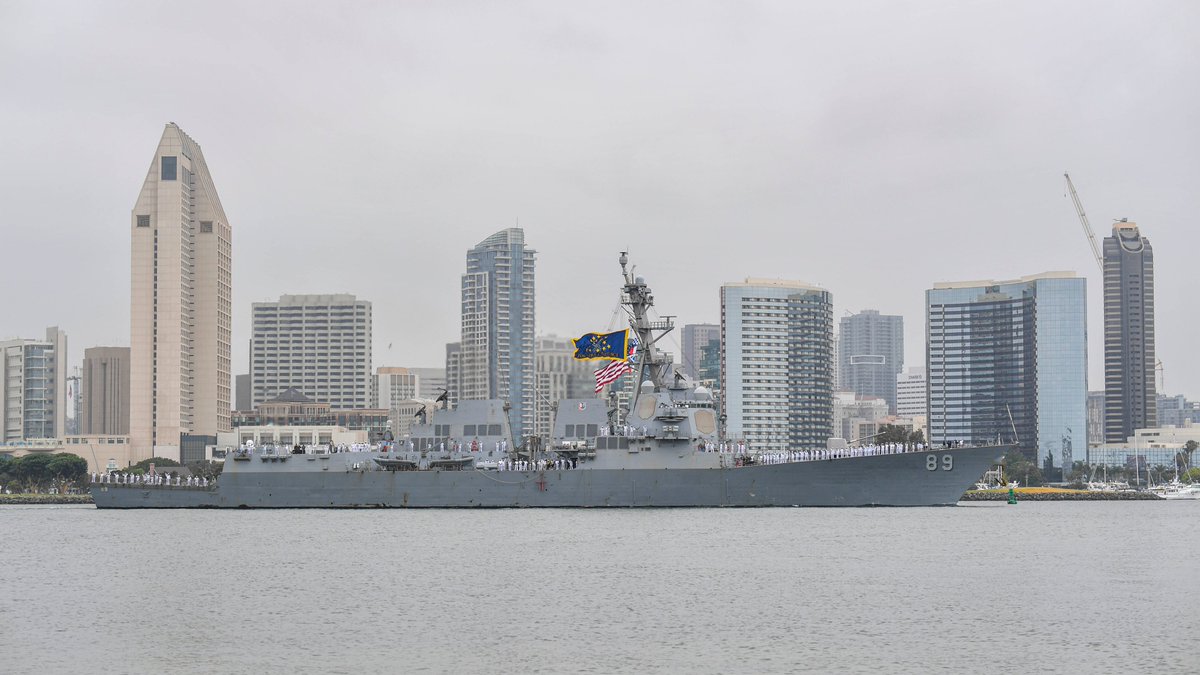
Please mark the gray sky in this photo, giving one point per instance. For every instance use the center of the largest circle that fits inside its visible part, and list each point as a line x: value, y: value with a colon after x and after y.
x: 874, y: 148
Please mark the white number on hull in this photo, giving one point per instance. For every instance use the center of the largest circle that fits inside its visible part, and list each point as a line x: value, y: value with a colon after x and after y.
x: 931, y: 462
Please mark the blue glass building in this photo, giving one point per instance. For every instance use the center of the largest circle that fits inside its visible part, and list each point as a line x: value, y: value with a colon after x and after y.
x: 1008, y: 361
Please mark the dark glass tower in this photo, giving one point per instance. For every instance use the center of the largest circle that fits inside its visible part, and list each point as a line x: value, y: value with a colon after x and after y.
x: 1129, y: 398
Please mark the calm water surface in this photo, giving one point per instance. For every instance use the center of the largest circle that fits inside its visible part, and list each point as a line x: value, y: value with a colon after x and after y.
x: 1036, y: 588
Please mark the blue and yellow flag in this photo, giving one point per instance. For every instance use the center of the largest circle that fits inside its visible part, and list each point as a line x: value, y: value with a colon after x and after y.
x: 593, y: 346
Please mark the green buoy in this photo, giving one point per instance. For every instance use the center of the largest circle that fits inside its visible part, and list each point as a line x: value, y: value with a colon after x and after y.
x: 1012, y: 496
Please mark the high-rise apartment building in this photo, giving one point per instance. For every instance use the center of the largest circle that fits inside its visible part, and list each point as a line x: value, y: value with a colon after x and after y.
x: 105, y: 395
x: 696, y: 336
x: 559, y: 376
x: 319, y: 345
x: 1007, y: 360
x: 1129, y: 397
x: 777, y: 363
x: 33, y: 400
x: 180, y: 313
x: 871, y: 354
x: 911, y: 393
x: 497, y: 348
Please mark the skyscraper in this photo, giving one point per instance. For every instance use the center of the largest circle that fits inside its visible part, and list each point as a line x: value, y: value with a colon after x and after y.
x: 180, y: 316
x: 319, y: 345
x: 697, y: 336
x: 497, y: 349
x: 871, y: 354
x: 33, y: 387
x: 777, y: 363
x: 1129, y: 397
x: 1008, y: 360
x: 105, y: 391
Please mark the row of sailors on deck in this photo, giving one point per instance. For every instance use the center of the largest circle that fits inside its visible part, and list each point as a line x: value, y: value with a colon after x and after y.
x: 559, y: 464
x: 148, y: 479
x: 473, y: 446
x: 816, y: 455
x: 320, y: 449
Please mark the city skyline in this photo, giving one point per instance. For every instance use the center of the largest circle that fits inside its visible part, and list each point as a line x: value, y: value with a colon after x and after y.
x: 909, y: 133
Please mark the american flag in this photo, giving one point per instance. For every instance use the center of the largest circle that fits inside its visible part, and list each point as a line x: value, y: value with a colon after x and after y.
x: 613, y: 371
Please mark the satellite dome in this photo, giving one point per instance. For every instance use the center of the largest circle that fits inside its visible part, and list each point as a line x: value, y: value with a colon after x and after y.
x: 639, y: 280
x: 647, y: 386
x: 703, y: 392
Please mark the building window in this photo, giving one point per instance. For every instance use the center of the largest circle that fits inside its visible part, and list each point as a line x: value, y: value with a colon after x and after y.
x: 205, y: 226
x: 143, y: 221
x: 169, y: 168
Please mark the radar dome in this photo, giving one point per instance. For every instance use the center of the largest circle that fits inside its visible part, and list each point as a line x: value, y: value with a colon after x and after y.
x: 703, y: 393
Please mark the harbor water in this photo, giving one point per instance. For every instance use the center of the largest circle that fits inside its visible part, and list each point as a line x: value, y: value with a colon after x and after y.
x: 1048, y: 587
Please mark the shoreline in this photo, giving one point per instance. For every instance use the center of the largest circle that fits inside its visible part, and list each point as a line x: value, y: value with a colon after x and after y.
x: 1056, y: 495
x: 26, y: 499
x: 1000, y: 495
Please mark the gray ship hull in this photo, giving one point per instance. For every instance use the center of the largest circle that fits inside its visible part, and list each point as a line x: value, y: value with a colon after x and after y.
x: 924, y: 478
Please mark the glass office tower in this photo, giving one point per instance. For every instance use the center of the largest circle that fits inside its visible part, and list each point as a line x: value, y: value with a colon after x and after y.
x: 1008, y: 362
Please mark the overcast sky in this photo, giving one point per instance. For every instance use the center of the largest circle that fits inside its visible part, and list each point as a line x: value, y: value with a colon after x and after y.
x: 873, y: 148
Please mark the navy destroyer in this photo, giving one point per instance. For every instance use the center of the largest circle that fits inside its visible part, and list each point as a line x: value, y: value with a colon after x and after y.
x: 667, y: 452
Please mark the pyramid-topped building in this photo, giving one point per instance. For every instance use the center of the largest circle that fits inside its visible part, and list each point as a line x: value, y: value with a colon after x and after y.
x: 180, y: 310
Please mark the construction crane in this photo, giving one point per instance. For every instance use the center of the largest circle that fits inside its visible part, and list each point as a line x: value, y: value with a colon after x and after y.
x: 1087, y: 228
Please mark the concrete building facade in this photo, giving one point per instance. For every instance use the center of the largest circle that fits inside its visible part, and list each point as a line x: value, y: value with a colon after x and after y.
x: 870, y: 349
x: 496, y: 357
x: 181, y: 294
x: 319, y: 345
x: 1129, y: 357
x: 777, y: 364
x: 1177, y: 411
x: 851, y: 410
x: 105, y: 393
x: 33, y: 400
x: 1007, y: 360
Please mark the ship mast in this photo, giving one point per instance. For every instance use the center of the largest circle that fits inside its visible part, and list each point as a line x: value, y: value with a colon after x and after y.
x: 637, y: 299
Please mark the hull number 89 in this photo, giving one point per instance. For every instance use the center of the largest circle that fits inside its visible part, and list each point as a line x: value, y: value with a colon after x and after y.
x: 947, y: 463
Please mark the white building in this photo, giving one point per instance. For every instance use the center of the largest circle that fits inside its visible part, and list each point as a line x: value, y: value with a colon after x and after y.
x: 33, y: 400
x: 777, y: 363
x: 319, y: 345
x: 850, y: 410
x: 912, y: 393
x: 180, y: 312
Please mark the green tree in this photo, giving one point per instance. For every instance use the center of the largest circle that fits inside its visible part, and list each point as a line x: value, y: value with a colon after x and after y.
x: 1017, y: 467
x: 158, y: 462
x: 68, y: 468
x: 1189, y: 449
x: 916, y: 438
x: 8, y: 468
x: 206, y: 468
x: 33, y: 471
